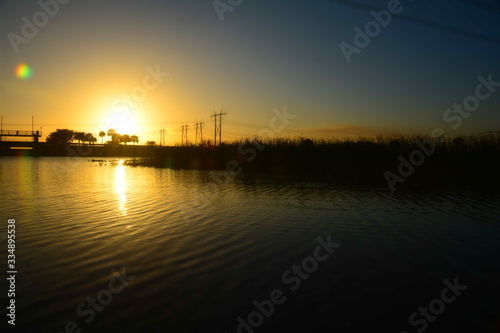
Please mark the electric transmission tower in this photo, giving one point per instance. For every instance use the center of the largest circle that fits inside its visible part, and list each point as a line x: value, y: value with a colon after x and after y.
x: 218, y: 127
x: 199, y: 130
x: 162, y: 138
x: 184, y: 129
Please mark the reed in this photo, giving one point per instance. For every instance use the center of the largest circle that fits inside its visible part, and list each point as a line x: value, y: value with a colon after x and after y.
x: 462, y: 160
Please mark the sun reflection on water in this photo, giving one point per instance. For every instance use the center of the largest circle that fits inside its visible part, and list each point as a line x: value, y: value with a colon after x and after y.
x: 120, y: 188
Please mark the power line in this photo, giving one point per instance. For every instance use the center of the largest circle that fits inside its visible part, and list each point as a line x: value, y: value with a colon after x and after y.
x: 245, y: 124
x: 422, y: 21
x: 485, y: 5
x: 94, y: 124
x: 249, y: 125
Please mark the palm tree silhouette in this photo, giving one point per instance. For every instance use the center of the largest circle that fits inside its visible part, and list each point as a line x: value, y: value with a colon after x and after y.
x: 102, y: 134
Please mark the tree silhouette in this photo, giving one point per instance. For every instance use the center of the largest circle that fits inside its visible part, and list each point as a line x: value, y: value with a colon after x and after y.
x: 60, y: 136
x: 125, y: 138
x: 90, y: 138
x: 134, y: 139
x: 102, y: 134
x: 80, y: 136
x: 115, y: 137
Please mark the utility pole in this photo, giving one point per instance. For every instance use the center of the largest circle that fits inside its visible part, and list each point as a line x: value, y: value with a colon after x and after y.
x: 184, y: 129
x: 162, y: 138
x: 199, y: 129
x: 218, y: 128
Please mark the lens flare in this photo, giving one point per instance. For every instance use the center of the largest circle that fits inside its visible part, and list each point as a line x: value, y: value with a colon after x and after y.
x: 23, y: 71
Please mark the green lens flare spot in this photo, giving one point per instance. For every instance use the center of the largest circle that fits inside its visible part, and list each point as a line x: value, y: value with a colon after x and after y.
x: 23, y: 71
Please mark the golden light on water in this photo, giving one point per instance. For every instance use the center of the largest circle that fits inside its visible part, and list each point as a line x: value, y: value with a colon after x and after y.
x: 120, y: 188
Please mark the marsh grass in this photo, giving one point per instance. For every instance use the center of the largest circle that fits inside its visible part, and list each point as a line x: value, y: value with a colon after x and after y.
x: 472, y: 159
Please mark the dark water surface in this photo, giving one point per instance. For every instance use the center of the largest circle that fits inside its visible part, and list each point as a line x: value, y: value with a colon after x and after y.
x: 202, y: 252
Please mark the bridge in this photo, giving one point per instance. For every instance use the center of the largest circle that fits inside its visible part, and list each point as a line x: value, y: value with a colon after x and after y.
x: 19, y: 134
x: 9, y: 133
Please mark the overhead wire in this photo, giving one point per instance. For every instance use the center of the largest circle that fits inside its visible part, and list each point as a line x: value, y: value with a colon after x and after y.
x: 485, y: 5
x: 423, y: 21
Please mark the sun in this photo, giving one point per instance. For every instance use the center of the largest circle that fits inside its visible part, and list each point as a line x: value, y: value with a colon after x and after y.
x: 122, y: 123
x: 123, y: 120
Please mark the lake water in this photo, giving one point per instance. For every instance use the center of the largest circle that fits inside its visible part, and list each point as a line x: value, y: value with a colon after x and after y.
x: 201, y: 252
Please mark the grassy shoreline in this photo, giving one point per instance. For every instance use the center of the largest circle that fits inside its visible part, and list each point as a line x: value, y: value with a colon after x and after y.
x: 473, y: 160
x: 404, y: 161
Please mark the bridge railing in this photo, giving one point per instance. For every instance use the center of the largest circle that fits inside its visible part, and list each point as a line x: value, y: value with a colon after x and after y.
x: 20, y: 133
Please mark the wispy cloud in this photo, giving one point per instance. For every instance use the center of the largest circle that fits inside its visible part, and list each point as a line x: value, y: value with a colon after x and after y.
x: 346, y: 131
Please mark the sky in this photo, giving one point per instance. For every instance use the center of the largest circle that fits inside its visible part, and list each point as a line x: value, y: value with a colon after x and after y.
x: 141, y: 66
